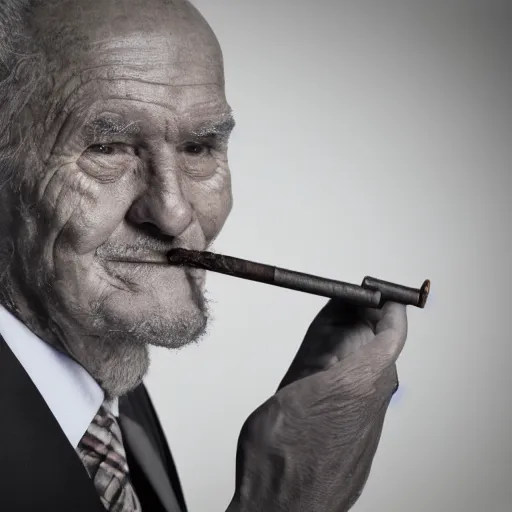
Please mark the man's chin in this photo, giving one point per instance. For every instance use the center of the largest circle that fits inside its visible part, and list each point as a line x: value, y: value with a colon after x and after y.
x: 159, y: 326
x: 126, y: 349
x: 177, y: 336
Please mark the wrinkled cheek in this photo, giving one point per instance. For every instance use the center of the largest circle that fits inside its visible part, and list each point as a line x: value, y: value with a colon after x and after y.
x: 87, y: 216
x: 87, y: 227
x: 67, y: 215
x: 27, y: 229
x: 30, y: 272
x: 212, y: 202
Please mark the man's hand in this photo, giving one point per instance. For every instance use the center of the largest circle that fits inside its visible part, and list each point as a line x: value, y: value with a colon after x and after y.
x: 310, y: 447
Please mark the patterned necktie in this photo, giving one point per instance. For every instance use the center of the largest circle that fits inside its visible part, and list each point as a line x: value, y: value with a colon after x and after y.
x: 102, y: 453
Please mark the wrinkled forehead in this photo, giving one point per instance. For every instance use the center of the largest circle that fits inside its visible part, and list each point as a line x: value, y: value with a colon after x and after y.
x: 161, y: 41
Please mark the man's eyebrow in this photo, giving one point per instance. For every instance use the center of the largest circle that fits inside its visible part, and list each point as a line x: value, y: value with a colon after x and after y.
x: 220, y: 128
x: 109, y: 126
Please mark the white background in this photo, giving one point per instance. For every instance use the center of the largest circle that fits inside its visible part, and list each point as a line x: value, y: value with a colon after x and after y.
x: 372, y: 138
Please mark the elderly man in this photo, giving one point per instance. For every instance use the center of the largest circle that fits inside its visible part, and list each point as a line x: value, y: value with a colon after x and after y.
x: 114, y: 135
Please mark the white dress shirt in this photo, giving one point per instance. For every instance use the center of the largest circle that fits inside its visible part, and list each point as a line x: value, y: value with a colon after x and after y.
x: 72, y: 395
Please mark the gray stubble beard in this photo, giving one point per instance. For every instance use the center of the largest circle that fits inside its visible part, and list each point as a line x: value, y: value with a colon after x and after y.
x: 120, y: 359
x: 117, y: 358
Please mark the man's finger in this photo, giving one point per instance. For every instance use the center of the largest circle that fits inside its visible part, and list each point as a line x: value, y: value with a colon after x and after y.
x: 390, y: 312
x: 390, y: 336
x: 394, y: 317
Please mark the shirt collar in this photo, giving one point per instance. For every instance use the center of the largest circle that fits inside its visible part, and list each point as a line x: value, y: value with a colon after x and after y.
x: 72, y: 395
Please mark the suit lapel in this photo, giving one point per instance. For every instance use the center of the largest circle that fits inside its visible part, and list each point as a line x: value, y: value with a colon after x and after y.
x: 41, y: 470
x: 149, y: 462
x: 136, y: 437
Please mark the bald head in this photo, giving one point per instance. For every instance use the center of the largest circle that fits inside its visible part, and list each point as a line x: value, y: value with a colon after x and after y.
x: 150, y: 35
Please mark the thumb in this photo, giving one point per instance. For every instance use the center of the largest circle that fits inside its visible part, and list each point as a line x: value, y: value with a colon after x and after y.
x: 390, y: 327
x: 368, y: 363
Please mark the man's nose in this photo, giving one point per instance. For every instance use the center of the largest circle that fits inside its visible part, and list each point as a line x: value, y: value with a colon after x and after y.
x: 162, y: 209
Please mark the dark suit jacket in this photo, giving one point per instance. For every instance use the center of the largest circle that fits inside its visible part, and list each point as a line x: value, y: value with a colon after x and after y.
x: 40, y: 470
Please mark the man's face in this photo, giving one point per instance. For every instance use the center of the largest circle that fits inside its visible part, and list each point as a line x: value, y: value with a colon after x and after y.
x: 133, y: 151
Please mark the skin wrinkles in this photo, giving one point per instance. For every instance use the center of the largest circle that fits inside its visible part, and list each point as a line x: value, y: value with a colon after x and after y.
x: 116, y: 67
x: 160, y: 186
x: 74, y: 80
x: 68, y: 123
x: 71, y: 87
x: 61, y: 231
x: 55, y: 235
x: 220, y: 160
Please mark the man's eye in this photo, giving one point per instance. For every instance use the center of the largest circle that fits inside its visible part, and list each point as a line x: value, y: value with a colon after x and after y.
x: 112, y: 149
x: 193, y: 148
x: 103, y: 149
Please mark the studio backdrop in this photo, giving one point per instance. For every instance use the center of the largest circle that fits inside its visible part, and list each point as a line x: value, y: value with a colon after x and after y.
x: 372, y: 138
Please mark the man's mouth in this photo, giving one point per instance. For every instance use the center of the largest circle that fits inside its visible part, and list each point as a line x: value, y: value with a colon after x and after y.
x: 154, y: 259
x: 159, y: 260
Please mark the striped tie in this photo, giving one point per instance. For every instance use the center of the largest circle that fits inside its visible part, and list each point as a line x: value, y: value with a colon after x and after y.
x: 102, y: 453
